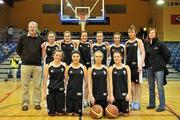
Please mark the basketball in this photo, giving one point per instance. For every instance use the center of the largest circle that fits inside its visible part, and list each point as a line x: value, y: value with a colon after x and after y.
x: 96, y: 111
x: 111, y: 111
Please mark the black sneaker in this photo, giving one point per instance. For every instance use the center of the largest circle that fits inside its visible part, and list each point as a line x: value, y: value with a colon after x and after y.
x: 37, y: 107
x: 25, y: 108
x: 160, y: 109
x: 150, y: 107
x: 51, y: 114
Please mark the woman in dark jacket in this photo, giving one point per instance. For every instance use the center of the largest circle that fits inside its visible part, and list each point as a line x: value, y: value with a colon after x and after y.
x: 158, y: 55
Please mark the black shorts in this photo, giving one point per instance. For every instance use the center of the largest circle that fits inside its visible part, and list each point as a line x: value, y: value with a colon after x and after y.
x: 134, y: 74
x: 56, y: 102
x: 74, y: 105
x: 122, y: 105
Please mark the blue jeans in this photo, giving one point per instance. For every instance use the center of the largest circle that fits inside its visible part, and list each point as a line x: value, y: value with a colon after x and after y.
x: 159, y: 78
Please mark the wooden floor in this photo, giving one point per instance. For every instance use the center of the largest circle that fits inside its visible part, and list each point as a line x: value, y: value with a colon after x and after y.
x: 10, y: 105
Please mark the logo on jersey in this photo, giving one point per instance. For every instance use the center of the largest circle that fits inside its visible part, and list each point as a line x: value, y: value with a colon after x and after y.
x: 115, y: 72
x: 81, y: 72
x: 71, y: 45
x: 94, y: 73
x: 104, y: 94
x: 122, y: 50
x: 48, y: 49
x: 123, y: 94
x: 156, y: 48
x: 124, y: 72
x: 70, y: 72
x: 104, y: 48
x: 63, y: 45
x: 135, y: 44
x: 62, y: 69
x: 80, y: 45
x: 104, y: 72
x: 52, y: 71
x: 88, y: 46
x: 95, y: 49
x: 113, y: 50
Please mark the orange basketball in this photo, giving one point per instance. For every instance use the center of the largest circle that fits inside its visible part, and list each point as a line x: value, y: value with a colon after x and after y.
x: 96, y: 111
x: 111, y: 111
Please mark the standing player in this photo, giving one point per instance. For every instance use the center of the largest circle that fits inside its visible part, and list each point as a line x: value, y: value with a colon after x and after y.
x: 100, y: 46
x: 116, y: 47
x: 85, y: 50
x: 67, y: 47
x: 54, y: 72
x: 135, y: 55
x: 50, y: 47
x: 98, y: 83
x: 75, y: 75
x: 120, y: 84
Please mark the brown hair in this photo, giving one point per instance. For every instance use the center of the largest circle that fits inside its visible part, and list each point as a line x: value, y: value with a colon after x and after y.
x: 121, y: 54
x: 150, y: 29
x: 99, y: 32
x: 51, y: 32
x: 67, y: 32
x: 117, y: 33
x: 58, y: 50
x: 132, y: 27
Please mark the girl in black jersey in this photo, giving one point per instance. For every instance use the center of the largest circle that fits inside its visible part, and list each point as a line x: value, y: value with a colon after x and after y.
x: 100, y: 46
x: 85, y: 50
x: 67, y: 47
x: 116, y: 47
x: 50, y: 47
x: 98, y: 83
x: 135, y: 55
x: 120, y: 84
x: 54, y: 74
x: 75, y: 78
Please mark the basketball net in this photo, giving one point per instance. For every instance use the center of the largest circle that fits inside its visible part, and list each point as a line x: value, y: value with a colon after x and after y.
x: 82, y: 21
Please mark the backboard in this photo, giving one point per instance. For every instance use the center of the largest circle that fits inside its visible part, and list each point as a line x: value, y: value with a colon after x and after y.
x: 92, y: 9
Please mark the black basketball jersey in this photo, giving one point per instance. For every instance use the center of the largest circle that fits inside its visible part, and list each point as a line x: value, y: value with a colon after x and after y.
x: 120, y: 82
x: 119, y: 49
x: 103, y: 49
x: 85, y: 52
x: 131, y: 53
x: 49, y: 52
x: 75, y: 82
x: 99, y: 83
x: 67, y: 49
x: 56, y: 77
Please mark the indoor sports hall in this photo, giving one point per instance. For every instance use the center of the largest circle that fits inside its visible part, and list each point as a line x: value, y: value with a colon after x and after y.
x: 36, y: 36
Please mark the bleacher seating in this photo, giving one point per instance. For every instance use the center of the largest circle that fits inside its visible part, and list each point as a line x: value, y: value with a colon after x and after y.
x: 174, y: 48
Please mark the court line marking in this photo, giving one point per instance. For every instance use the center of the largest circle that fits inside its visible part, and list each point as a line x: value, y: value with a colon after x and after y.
x: 170, y: 109
x: 6, y: 95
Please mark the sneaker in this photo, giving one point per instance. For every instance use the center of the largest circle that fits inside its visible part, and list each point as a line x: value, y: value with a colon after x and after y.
x: 25, y: 108
x: 51, y: 114
x: 37, y: 107
x: 136, y: 106
x: 86, y: 104
x: 132, y: 105
x: 150, y: 107
x: 160, y: 109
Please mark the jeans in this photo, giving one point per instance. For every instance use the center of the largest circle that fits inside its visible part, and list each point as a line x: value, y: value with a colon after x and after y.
x: 159, y: 78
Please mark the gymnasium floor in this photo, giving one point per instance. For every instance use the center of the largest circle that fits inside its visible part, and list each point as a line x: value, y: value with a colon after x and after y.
x: 10, y: 105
